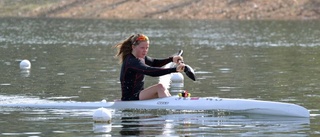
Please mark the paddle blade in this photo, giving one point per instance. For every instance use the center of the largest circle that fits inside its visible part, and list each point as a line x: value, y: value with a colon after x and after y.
x: 190, y: 72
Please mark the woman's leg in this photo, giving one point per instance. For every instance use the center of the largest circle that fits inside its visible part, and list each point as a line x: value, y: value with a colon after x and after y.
x: 155, y: 91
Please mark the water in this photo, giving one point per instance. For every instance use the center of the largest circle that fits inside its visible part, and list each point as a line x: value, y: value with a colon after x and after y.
x: 72, y: 59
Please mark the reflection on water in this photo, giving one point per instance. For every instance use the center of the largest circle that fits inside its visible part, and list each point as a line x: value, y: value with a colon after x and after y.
x: 24, y: 121
x: 102, y: 128
x: 25, y: 73
x: 73, y: 60
x: 138, y: 126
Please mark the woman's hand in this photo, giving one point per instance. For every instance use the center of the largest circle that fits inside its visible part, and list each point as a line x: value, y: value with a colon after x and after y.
x: 176, y: 59
x: 180, y: 67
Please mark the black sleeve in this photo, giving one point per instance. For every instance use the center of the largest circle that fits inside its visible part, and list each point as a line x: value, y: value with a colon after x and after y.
x: 157, y: 62
x: 151, y: 71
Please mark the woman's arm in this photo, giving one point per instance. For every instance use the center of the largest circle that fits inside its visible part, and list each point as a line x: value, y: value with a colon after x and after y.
x: 157, y: 62
x: 141, y: 67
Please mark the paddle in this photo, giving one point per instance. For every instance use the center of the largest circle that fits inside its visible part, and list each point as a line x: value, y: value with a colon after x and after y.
x: 187, y: 69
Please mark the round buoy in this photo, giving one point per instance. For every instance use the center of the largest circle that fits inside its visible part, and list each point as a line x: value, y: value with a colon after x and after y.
x: 25, y: 64
x: 177, y: 77
x: 177, y: 83
x: 102, y: 115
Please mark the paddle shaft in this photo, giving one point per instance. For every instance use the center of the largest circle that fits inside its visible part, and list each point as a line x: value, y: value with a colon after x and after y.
x: 188, y: 70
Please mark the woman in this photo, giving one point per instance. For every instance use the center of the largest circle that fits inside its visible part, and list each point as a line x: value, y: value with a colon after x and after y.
x: 132, y: 53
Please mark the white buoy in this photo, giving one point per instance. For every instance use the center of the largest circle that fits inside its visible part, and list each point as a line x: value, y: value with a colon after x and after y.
x: 25, y: 64
x: 102, y: 115
x: 102, y: 120
x: 177, y: 83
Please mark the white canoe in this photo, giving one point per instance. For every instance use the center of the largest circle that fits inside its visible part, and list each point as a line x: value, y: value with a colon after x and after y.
x: 191, y: 103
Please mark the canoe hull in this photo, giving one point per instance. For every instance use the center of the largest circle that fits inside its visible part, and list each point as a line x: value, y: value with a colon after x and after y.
x: 221, y: 104
x: 191, y: 103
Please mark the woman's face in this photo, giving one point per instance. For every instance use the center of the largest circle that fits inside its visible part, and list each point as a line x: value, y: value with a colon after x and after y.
x: 141, y: 50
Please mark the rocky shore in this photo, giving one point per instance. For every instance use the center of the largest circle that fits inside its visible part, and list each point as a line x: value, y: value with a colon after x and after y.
x: 164, y: 9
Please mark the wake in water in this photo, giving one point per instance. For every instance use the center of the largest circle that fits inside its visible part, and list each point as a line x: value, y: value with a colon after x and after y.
x: 14, y: 99
x: 166, y: 79
x: 18, y: 99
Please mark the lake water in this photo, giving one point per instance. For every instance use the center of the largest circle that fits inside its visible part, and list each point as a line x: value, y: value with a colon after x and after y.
x: 72, y: 59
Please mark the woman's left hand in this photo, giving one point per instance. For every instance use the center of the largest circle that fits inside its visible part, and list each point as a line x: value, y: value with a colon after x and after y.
x: 180, y: 67
x: 177, y: 59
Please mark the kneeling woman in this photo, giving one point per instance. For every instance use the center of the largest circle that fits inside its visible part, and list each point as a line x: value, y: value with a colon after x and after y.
x: 132, y: 53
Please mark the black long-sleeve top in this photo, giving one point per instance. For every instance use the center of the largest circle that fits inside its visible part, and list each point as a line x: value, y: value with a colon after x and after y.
x: 133, y: 71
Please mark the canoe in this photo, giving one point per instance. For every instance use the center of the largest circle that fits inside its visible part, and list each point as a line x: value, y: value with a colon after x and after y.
x: 246, y: 106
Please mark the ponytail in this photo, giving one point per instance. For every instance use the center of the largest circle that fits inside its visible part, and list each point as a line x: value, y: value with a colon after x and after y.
x: 123, y: 49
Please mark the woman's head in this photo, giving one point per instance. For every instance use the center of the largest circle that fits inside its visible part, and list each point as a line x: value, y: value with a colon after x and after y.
x: 137, y: 44
x: 140, y: 45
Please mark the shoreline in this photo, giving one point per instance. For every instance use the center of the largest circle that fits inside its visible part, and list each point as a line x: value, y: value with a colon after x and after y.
x: 166, y: 10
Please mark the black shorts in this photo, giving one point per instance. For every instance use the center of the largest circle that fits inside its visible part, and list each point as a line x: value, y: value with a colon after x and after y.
x: 134, y: 97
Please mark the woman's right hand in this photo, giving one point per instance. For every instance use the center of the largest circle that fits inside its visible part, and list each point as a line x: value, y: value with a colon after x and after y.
x: 180, y: 67
x: 177, y: 59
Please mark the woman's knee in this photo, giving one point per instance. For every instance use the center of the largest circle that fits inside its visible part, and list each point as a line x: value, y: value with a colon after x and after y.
x: 161, y: 87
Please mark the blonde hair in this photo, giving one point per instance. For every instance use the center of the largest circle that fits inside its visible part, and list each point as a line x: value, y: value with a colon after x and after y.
x: 124, y: 48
